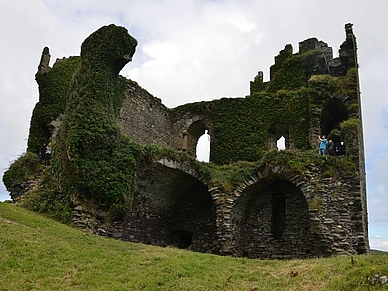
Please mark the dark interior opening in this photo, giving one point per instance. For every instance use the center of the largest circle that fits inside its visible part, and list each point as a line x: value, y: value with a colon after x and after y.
x: 278, y: 215
x: 333, y: 113
x: 180, y: 210
x: 182, y: 238
x: 273, y: 215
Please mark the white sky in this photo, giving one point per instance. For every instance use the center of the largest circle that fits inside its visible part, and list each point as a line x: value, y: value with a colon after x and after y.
x: 196, y: 50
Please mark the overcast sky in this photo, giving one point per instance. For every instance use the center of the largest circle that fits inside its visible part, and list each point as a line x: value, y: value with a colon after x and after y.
x: 196, y: 50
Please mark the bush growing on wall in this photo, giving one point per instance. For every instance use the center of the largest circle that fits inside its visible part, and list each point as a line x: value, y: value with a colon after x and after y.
x: 23, y: 169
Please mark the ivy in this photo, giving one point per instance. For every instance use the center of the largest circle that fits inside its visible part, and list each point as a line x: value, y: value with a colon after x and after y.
x: 94, y: 160
x: 54, y: 86
x: 48, y: 198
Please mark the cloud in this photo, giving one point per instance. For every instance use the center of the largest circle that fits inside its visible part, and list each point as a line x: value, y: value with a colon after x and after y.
x: 379, y: 242
x: 377, y: 185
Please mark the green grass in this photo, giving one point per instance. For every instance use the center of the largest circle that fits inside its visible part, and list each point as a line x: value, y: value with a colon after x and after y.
x: 37, y: 253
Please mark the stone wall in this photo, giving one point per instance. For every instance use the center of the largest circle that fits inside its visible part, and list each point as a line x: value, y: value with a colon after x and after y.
x: 274, y: 215
x: 146, y: 120
x: 321, y: 216
x: 143, y: 117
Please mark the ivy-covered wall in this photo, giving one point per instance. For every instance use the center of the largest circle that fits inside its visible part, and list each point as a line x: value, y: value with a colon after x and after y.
x: 54, y: 86
x: 296, y: 103
x: 94, y: 160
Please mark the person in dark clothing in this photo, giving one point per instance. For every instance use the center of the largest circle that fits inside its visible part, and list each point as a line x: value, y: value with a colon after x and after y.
x: 331, y: 148
x: 42, y: 152
x: 337, y: 146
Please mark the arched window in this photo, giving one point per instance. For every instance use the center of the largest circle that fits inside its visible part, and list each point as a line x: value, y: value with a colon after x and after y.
x: 278, y: 137
x: 203, y: 148
x: 190, y: 137
x: 281, y: 144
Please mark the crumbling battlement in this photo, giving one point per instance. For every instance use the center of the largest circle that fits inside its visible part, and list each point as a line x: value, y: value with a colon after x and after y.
x: 125, y: 163
x: 323, y: 63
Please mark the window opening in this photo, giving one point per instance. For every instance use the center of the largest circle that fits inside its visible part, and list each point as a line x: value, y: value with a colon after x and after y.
x: 333, y: 113
x: 203, y: 148
x: 281, y: 144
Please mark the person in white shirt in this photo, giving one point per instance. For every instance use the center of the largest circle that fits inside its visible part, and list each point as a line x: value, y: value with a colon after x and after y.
x: 47, y: 156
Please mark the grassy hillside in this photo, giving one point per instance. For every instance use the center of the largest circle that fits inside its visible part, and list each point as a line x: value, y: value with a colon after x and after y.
x: 40, y: 254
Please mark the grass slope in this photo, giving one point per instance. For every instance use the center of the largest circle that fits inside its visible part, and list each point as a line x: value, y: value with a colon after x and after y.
x: 37, y: 253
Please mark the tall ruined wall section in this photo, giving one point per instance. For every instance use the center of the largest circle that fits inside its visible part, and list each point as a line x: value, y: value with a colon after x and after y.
x: 143, y: 117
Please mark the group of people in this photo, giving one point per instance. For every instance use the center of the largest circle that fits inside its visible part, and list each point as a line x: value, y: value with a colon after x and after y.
x: 334, y: 149
x: 45, y: 152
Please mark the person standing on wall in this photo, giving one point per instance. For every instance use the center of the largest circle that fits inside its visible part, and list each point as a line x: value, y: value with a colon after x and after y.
x: 322, y: 145
x: 331, y: 148
x: 47, y: 156
x: 42, y: 152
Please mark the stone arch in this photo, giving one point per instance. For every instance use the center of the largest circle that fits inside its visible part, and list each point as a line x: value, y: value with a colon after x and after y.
x: 271, y: 218
x: 191, y: 136
x: 275, y: 132
x: 172, y: 207
x: 185, y: 168
x: 333, y: 113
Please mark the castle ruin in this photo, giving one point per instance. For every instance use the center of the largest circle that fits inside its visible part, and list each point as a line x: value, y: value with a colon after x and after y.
x: 251, y: 200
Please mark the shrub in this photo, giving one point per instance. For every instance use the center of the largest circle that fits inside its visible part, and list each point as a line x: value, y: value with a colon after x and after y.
x: 48, y: 199
x: 23, y: 169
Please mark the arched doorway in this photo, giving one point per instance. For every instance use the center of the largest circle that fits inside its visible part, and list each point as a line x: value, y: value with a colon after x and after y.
x: 273, y: 221
x: 172, y: 208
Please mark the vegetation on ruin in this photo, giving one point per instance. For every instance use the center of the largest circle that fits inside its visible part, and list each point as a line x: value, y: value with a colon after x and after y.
x: 91, y: 159
x: 316, y: 203
x: 22, y: 169
x: 51, y: 199
x: 228, y: 177
x: 242, y: 125
x: 48, y: 198
x: 54, y: 86
x: 349, y: 130
x: 40, y: 254
x: 94, y: 160
x: 294, y: 72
